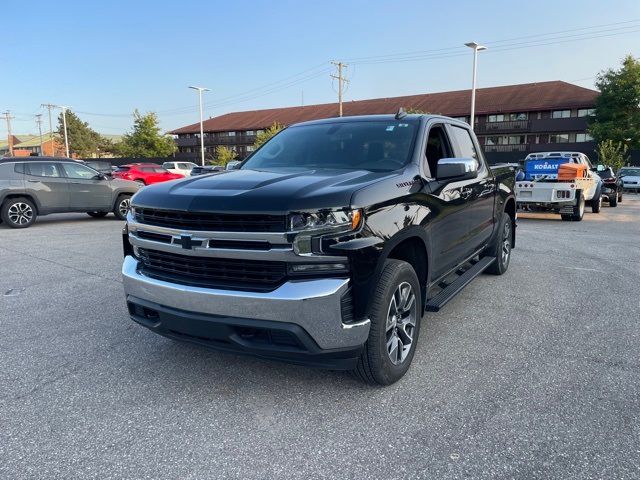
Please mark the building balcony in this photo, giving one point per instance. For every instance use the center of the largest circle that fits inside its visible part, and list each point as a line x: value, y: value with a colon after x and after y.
x: 552, y: 125
x: 235, y: 140
x: 522, y: 147
x: 503, y: 127
x: 187, y: 142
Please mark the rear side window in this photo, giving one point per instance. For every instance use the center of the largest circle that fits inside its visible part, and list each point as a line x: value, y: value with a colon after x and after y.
x: 168, y: 165
x: 19, y: 168
x: 184, y: 166
x: 123, y: 169
x: 42, y: 169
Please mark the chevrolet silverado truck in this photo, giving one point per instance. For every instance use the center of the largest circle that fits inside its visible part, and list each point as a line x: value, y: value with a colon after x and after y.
x: 326, y: 246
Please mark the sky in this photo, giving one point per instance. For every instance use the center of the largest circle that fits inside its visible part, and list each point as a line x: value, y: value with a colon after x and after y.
x: 105, y: 59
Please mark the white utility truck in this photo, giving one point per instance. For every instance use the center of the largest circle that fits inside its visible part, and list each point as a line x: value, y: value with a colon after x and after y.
x: 563, y: 182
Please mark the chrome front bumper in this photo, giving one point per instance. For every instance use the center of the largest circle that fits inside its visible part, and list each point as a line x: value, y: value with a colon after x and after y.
x: 314, y: 305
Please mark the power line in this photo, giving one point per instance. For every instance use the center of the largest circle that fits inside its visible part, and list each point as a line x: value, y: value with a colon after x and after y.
x: 440, y: 51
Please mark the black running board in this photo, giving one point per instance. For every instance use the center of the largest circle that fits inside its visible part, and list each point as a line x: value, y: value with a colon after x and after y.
x: 435, y: 303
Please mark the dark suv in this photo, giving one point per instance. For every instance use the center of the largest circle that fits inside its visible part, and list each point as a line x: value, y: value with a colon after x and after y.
x: 30, y: 187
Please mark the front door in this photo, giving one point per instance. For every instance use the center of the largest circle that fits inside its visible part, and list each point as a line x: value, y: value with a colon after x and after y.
x: 449, y: 229
x: 479, y: 191
x: 45, y: 181
x: 88, y: 190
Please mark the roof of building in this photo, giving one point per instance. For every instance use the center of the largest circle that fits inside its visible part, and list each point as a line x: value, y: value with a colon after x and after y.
x: 511, y: 98
x: 29, y: 141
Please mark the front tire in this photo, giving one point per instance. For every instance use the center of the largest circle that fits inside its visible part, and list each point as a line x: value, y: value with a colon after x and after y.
x: 395, y: 314
x: 18, y: 212
x: 596, y: 202
x: 121, y: 208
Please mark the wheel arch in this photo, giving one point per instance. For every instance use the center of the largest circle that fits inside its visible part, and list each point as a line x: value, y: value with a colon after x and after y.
x: 22, y: 195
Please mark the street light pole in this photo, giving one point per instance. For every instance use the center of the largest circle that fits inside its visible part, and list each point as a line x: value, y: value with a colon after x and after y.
x: 476, y: 48
x: 64, y: 125
x: 200, y: 90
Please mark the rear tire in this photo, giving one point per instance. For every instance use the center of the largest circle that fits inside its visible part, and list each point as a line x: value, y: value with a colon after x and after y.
x: 613, y: 200
x: 121, y: 208
x: 502, y: 248
x: 97, y: 214
x: 578, y: 209
x: 18, y: 212
x: 396, y: 311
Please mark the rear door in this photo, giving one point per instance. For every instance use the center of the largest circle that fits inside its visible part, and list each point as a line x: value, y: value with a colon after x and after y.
x: 87, y: 191
x: 479, y: 192
x: 45, y: 181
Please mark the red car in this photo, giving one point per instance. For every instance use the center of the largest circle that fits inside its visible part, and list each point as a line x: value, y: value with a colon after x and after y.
x: 145, y: 173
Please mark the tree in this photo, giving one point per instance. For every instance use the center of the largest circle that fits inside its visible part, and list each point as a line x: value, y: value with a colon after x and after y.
x: 613, y: 154
x: 265, y: 135
x: 224, y: 155
x: 617, y: 115
x: 83, y: 140
x: 146, y: 139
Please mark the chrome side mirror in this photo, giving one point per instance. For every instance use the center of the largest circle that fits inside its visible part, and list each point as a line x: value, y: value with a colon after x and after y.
x: 457, y: 169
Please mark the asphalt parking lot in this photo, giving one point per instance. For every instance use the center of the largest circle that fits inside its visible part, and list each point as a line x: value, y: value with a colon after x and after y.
x: 535, y: 374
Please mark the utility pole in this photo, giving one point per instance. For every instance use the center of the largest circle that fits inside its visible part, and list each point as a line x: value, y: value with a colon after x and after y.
x: 341, y: 82
x: 64, y: 126
x: 49, y: 106
x: 8, y: 118
x: 39, y: 122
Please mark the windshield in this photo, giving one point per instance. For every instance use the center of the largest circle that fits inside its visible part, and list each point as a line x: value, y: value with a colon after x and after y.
x: 378, y: 146
x: 633, y: 172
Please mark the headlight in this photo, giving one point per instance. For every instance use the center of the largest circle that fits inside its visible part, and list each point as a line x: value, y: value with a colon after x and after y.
x: 311, y: 228
x: 326, y: 220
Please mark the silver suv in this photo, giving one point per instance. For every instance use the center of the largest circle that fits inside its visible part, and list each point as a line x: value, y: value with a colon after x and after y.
x: 38, y: 186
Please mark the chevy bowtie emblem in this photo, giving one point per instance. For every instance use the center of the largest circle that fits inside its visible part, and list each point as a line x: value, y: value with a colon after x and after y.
x: 187, y: 242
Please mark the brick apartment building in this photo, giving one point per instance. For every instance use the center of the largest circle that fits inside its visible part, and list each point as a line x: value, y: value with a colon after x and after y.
x: 510, y: 122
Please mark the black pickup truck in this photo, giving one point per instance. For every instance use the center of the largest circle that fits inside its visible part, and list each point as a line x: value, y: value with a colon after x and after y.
x: 326, y: 246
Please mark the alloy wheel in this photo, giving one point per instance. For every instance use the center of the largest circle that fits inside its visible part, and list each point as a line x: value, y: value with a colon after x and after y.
x: 20, y: 213
x: 506, y: 243
x: 401, y: 323
x: 124, y: 206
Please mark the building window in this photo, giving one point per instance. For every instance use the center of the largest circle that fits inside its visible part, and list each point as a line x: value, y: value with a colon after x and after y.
x: 586, y: 112
x: 231, y: 134
x: 561, y: 114
x: 518, y: 116
x: 250, y: 132
x: 495, y: 118
x: 496, y: 140
x: 517, y: 139
x: 250, y: 148
x: 462, y: 119
x: 559, y: 138
x: 583, y: 137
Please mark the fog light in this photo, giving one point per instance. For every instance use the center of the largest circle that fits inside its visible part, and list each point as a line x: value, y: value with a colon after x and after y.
x: 317, y: 267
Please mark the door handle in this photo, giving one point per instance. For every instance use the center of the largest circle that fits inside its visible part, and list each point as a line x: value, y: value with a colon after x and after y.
x: 33, y: 181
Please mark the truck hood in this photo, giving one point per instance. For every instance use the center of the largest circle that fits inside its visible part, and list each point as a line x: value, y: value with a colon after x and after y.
x: 263, y: 191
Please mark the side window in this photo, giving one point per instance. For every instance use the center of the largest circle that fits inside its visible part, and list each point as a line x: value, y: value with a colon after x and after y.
x: 79, y: 171
x: 167, y: 165
x: 465, y: 145
x: 43, y: 169
x: 438, y: 147
x: 19, y: 168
